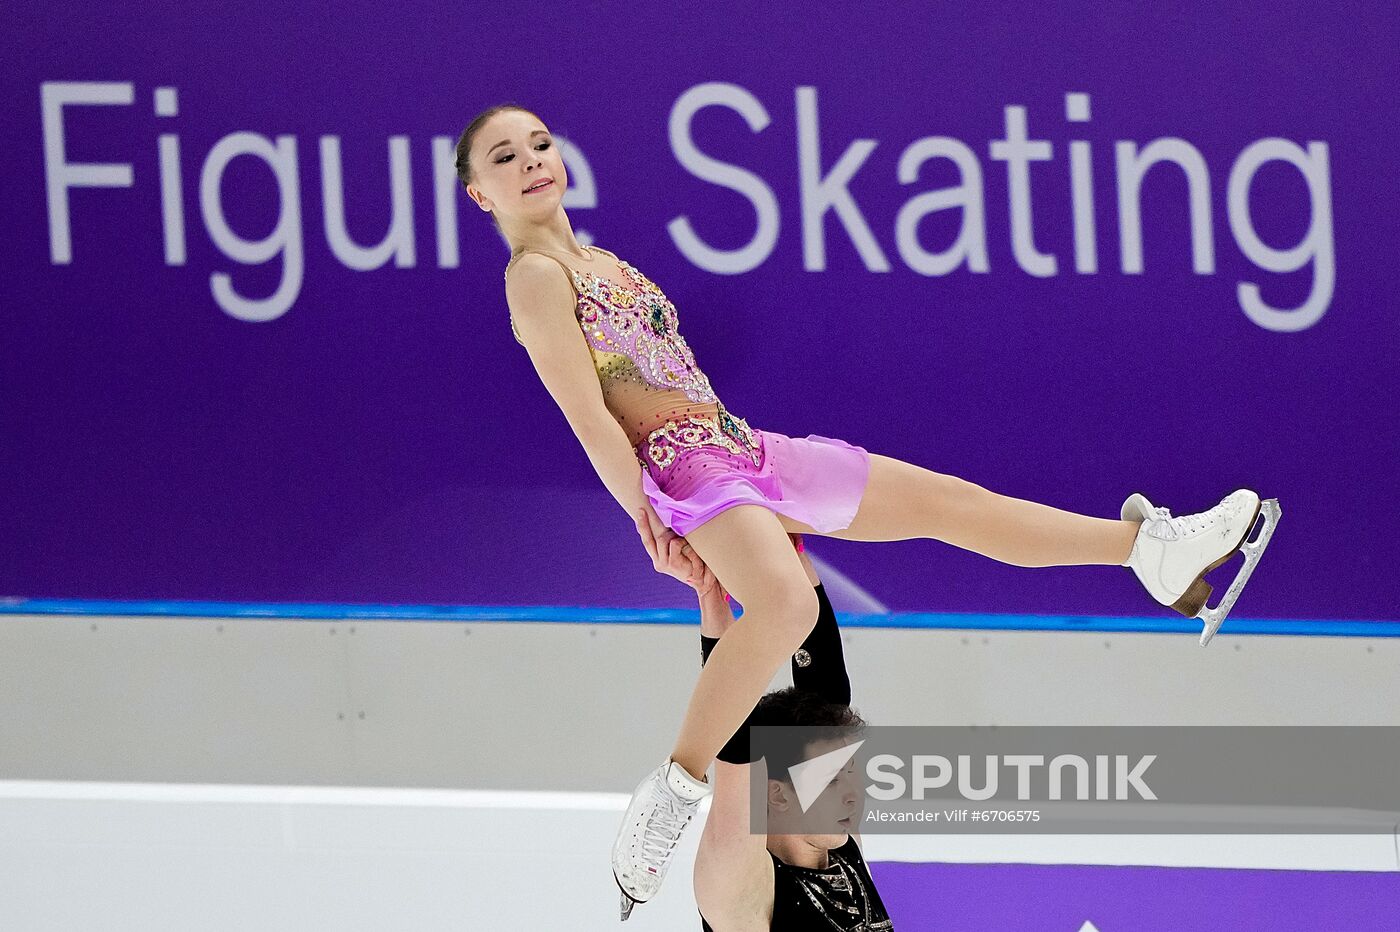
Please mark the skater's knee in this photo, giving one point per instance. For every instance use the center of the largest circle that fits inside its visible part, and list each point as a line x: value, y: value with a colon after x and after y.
x: 950, y: 500
x: 790, y: 607
x: 969, y: 494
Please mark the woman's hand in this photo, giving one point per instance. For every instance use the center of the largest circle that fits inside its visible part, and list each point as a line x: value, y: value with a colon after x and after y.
x: 670, y: 554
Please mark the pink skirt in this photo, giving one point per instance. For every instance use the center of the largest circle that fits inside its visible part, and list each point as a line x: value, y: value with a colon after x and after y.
x: 816, y: 480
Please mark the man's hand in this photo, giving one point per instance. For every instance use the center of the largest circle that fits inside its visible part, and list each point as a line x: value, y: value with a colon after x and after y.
x: 670, y: 554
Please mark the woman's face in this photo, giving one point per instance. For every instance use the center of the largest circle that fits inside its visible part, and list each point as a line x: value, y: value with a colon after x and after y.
x: 511, y: 153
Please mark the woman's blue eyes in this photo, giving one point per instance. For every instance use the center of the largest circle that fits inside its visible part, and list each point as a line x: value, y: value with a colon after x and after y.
x: 543, y: 145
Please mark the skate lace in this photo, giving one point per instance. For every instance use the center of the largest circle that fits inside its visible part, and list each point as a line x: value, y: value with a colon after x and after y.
x: 663, y: 830
x: 1165, y: 527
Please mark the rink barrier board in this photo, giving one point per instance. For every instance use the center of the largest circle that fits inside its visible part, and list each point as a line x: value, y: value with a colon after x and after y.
x: 558, y: 614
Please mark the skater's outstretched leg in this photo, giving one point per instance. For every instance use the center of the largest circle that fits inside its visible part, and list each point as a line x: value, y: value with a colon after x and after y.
x: 903, y: 501
x: 1170, y: 555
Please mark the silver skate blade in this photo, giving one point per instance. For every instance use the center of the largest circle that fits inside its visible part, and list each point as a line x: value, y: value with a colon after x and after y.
x: 1269, y: 512
x: 627, y: 904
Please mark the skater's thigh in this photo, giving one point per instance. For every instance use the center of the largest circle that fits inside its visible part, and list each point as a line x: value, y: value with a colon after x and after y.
x: 751, y: 555
x: 902, y: 501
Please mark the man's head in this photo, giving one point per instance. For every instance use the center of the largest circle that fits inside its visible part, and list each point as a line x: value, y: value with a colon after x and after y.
x: 804, y: 726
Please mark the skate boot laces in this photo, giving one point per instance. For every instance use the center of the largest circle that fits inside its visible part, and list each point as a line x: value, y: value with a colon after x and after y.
x: 1161, y: 525
x: 663, y: 830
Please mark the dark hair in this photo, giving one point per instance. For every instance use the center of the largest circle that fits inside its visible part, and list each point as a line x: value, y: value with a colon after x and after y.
x: 464, y: 142
x: 794, y: 708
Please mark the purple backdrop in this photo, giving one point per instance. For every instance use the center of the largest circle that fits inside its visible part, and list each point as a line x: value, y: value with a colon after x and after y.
x: 1062, y: 898
x: 188, y: 416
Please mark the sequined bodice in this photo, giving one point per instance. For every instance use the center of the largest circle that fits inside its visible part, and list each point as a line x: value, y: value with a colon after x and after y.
x: 646, y: 369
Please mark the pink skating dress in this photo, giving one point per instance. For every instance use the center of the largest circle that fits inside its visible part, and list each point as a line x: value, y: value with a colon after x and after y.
x: 697, y: 458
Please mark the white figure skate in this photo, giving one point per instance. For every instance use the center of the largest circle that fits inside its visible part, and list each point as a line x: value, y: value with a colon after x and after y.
x: 661, y: 806
x: 1172, y: 555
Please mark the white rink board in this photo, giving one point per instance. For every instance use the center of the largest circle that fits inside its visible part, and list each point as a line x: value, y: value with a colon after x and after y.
x: 174, y: 857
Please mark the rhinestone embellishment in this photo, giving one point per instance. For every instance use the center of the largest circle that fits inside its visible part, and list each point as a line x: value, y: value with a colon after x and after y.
x: 640, y: 323
x: 694, y: 431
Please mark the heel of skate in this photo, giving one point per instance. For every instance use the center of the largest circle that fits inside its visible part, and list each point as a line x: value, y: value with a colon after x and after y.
x: 1213, y: 618
x: 1194, y: 598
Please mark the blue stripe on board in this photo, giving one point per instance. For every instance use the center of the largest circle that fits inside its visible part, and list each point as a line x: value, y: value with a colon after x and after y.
x: 677, y: 616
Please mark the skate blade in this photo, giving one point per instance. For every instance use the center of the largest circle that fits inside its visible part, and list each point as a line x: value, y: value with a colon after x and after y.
x: 1213, y: 618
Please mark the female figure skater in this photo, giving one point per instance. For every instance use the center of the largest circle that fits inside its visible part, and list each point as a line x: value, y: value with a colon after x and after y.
x: 604, y: 341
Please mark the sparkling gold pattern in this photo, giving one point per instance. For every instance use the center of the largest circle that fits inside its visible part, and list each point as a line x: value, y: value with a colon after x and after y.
x: 640, y: 323
x: 647, y: 371
x: 694, y: 431
x: 634, y: 323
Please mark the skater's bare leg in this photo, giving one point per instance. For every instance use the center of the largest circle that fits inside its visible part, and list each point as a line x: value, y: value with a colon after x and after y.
x: 751, y: 555
x: 904, y: 501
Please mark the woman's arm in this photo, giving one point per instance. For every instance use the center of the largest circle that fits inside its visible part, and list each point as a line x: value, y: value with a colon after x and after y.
x: 541, y: 302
